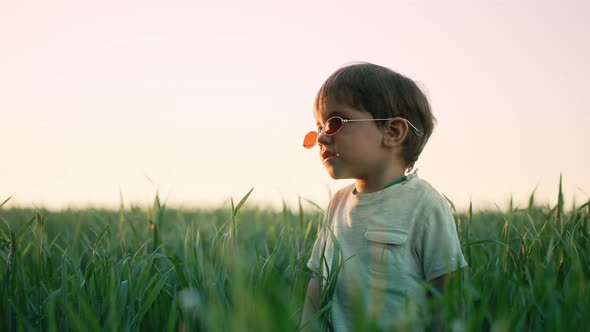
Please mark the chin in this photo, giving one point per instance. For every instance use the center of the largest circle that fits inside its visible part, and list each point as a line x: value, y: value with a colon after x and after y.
x: 331, y: 173
x: 334, y: 174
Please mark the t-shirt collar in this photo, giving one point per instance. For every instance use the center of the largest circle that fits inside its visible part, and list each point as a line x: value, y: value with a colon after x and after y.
x: 396, y: 181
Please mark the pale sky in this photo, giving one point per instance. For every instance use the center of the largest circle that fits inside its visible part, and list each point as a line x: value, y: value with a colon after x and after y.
x: 204, y: 100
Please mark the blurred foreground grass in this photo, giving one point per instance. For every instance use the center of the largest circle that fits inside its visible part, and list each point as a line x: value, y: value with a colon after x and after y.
x: 244, y: 269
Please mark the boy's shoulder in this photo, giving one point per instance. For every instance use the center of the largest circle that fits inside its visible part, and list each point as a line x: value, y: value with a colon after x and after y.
x: 430, y: 196
x: 428, y: 189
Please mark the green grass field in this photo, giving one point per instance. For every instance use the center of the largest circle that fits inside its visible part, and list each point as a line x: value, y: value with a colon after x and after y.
x: 244, y: 269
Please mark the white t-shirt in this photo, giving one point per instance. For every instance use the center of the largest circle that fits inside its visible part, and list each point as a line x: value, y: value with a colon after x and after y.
x: 390, y: 242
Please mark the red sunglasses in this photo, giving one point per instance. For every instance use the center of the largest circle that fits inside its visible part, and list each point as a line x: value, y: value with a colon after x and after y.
x: 335, y: 123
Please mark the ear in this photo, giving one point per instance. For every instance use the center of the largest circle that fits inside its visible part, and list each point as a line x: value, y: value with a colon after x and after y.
x: 395, y: 132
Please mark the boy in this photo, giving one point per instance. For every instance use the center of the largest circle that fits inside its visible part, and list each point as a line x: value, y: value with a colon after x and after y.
x: 389, y: 232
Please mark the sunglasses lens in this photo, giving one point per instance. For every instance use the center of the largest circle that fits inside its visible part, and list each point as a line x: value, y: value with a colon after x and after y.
x: 310, y: 139
x: 333, y: 125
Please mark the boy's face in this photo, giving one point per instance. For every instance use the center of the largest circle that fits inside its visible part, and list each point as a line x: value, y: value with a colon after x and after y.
x: 356, y: 150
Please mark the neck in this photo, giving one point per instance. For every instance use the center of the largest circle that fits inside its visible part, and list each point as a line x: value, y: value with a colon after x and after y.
x: 375, y: 183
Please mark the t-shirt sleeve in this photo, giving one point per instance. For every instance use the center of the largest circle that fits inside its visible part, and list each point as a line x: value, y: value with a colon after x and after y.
x: 439, y: 247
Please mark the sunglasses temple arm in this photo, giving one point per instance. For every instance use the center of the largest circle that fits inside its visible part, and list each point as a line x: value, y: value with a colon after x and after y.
x: 416, y: 130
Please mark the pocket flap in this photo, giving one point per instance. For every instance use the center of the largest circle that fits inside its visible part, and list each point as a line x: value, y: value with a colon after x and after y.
x: 390, y: 236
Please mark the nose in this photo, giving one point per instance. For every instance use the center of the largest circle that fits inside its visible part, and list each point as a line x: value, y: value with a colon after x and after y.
x: 323, y: 139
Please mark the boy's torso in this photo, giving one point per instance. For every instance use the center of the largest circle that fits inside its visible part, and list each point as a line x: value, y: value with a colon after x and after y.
x: 378, y: 237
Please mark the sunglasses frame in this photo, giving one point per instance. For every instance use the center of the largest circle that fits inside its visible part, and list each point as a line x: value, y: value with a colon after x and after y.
x: 343, y: 120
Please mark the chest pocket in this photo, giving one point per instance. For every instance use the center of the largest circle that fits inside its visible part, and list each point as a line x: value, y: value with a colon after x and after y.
x: 385, y: 248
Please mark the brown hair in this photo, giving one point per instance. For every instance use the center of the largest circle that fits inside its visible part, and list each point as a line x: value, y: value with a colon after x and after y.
x: 383, y: 93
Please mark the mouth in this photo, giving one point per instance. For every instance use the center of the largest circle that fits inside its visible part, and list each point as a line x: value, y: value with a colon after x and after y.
x: 327, y: 155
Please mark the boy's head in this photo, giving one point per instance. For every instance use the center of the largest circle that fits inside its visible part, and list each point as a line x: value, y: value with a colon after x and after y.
x: 384, y: 94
